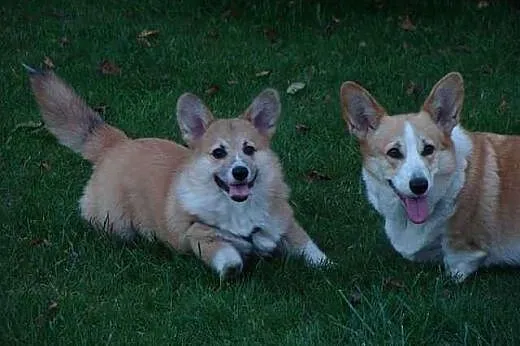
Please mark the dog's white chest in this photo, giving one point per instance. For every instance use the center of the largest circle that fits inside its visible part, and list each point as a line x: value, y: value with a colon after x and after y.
x: 239, y: 218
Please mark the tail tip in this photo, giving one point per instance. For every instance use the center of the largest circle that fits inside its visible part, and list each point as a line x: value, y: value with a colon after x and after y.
x: 32, y: 71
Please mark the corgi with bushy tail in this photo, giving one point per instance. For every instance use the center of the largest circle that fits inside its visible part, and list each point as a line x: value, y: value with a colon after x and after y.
x: 222, y: 198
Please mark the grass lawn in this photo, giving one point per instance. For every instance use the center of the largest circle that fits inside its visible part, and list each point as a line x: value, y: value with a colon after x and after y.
x: 62, y: 283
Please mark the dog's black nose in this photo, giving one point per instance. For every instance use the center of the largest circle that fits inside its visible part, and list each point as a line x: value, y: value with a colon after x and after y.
x: 240, y: 172
x: 419, y: 185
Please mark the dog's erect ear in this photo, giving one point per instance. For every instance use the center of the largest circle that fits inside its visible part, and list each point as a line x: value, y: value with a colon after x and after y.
x: 193, y: 117
x: 360, y: 110
x: 444, y: 103
x: 264, y: 112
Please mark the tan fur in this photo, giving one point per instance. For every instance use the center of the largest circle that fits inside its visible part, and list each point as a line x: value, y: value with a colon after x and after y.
x: 478, y: 223
x: 139, y: 186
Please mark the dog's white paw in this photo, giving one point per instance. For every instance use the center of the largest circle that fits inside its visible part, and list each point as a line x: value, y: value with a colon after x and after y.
x: 227, y: 262
x: 314, y: 257
x: 460, y: 265
x: 263, y: 244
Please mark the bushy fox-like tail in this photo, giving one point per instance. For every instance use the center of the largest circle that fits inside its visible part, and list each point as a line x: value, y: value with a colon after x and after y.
x: 68, y: 117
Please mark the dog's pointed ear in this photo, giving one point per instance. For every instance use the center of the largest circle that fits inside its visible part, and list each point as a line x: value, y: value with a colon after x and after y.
x: 444, y: 103
x: 360, y: 110
x: 264, y: 112
x: 193, y: 117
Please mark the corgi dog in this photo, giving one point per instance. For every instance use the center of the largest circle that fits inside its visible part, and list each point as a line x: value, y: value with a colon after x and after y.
x: 222, y: 198
x: 446, y: 194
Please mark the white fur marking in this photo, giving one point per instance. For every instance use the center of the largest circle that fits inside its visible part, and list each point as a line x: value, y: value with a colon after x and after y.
x: 462, y: 264
x: 227, y: 258
x: 413, y: 165
x: 313, y: 255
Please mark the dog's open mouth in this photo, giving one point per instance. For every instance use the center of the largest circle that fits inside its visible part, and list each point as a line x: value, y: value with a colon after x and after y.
x: 416, y: 207
x: 237, y: 192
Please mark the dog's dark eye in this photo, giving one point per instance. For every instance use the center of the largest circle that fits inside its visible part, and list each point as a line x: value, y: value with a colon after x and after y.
x: 219, y: 153
x: 428, y: 150
x: 395, y: 153
x: 249, y: 150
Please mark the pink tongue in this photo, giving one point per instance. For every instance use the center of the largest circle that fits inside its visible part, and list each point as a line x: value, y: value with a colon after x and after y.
x: 416, y: 208
x: 239, y: 190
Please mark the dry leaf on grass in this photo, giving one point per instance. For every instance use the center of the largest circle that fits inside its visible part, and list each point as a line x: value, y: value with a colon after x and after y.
x: 314, y: 175
x: 264, y: 73
x: 301, y: 128
x: 64, y: 41
x: 391, y: 282
x: 45, y: 165
x: 413, y: 89
x: 503, y: 106
x: 482, y: 4
x: 212, y: 90
x: 148, y: 33
x: 39, y: 241
x: 295, y: 87
x: 355, y: 297
x: 407, y: 24
x: 48, y: 62
x: 107, y: 67
x: 271, y: 35
x: 101, y: 109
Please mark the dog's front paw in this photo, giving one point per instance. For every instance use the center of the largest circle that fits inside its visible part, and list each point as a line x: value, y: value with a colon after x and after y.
x: 263, y: 244
x: 227, y: 262
x: 314, y: 257
x: 462, y: 264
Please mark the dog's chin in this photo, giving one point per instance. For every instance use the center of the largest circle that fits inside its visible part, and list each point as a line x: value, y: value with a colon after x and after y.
x: 237, y: 192
x: 416, y: 207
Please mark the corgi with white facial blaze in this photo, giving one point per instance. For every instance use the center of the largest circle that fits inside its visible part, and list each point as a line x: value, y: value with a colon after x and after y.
x: 222, y: 198
x: 445, y: 194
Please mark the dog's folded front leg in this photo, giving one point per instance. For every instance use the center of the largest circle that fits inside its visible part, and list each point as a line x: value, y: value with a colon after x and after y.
x: 298, y: 243
x: 204, y: 241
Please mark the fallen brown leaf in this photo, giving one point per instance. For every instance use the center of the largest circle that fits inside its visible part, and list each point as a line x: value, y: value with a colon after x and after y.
x: 48, y: 62
x: 327, y: 98
x: 503, y: 107
x: 355, y: 297
x: 101, y: 109
x: 295, y: 87
x: 487, y: 69
x: 407, y: 24
x: 148, y: 33
x: 391, y: 282
x: 39, y: 241
x: 314, y: 175
x: 45, y: 165
x: 463, y: 48
x: 230, y: 13
x: 264, y: 73
x: 109, y: 68
x: 213, y: 34
x: 271, y: 35
x: 64, y: 41
x: 52, y: 306
x: 413, y: 89
x: 212, y: 90
x: 302, y: 128
x: 482, y: 4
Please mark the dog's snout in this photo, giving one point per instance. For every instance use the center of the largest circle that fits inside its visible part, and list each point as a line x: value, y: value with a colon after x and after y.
x: 419, y: 185
x: 240, y: 172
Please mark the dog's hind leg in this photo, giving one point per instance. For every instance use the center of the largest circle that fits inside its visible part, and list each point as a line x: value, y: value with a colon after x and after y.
x: 212, y: 250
